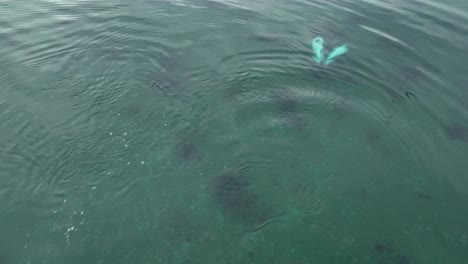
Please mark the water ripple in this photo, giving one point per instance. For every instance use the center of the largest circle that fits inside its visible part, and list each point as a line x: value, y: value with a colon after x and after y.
x: 152, y: 113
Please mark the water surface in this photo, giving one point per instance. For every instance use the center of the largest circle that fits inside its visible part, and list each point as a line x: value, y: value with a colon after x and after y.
x: 203, y: 132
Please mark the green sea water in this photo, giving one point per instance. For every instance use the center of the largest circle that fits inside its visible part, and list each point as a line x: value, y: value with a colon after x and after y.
x: 196, y: 131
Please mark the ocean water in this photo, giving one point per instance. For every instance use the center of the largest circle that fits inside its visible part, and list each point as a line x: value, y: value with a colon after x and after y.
x: 196, y: 131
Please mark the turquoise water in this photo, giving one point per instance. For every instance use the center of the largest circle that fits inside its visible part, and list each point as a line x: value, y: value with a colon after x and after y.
x: 204, y: 132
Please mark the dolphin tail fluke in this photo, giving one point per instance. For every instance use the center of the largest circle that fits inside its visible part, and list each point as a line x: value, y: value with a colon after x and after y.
x: 317, y: 47
x: 341, y: 50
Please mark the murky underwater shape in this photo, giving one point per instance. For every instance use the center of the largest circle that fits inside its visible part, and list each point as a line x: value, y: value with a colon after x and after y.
x: 204, y: 132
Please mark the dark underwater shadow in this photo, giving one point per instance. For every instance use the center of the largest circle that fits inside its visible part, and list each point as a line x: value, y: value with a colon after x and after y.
x: 234, y: 193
